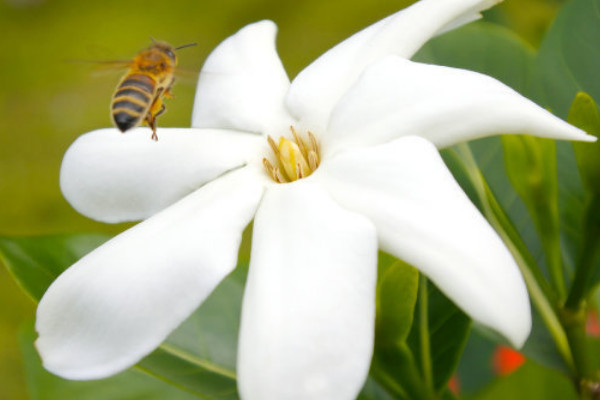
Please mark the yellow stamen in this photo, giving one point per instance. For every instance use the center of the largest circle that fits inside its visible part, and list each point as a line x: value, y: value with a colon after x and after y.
x: 278, y: 176
x: 291, y: 159
x: 315, y: 145
x: 273, y: 146
x: 299, y: 141
x: 313, y: 160
x: 269, y: 167
x: 299, y: 171
x: 294, y: 159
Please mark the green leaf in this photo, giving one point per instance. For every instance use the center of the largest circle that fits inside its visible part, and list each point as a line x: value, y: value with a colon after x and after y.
x: 497, y: 52
x: 448, y: 328
x: 195, y: 375
x: 36, y: 261
x: 504, y: 56
x: 393, y: 366
x: 395, y: 369
x: 475, y: 368
x: 398, y: 367
x: 198, y: 357
x: 531, y: 382
x: 584, y: 115
x: 548, y: 341
x: 373, y: 391
x: 485, y: 48
x: 569, y: 57
x: 131, y: 384
x: 396, y: 298
x: 568, y: 62
x: 531, y: 167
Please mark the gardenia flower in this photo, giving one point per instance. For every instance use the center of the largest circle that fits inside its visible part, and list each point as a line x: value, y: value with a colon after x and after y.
x: 340, y: 162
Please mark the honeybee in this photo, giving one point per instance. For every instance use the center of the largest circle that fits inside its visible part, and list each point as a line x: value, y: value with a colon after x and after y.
x: 139, y: 95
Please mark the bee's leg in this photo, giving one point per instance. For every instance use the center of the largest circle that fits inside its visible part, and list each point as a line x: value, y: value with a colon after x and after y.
x: 167, y: 93
x: 162, y: 110
x: 156, y: 109
x: 152, y: 124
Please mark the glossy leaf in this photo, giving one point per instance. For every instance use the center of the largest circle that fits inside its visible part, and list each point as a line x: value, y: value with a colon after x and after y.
x: 191, y: 374
x: 130, y: 384
x: 36, y: 261
x: 199, y: 357
x: 531, y: 167
x: 485, y: 48
x: 398, y: 366
x: 531, y: 382
x: 569, y: 57
x: 449, y: 329
x: 499, y: 53
x: 207, y: 370
x: 568, y: 62
x: 584, y: 114
x: 372, y: 391
x: 396, y: 297
x: 395, y: 369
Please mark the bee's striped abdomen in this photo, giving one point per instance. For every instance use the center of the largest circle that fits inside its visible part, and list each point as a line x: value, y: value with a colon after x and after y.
x: 132, y: 100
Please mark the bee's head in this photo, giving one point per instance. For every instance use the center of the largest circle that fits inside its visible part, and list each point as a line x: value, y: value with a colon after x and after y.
x: 167, y: 50
x: 159, y: 58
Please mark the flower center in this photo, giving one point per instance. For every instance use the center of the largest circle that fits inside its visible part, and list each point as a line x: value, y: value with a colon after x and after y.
x: 294, y: 159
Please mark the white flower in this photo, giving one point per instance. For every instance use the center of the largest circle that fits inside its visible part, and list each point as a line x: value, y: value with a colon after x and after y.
x: 376, y: 180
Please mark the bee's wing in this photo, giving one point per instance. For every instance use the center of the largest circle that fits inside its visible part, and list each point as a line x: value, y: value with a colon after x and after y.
x: 186, y: 76
x: 103, y: 63
x: 101, y: 67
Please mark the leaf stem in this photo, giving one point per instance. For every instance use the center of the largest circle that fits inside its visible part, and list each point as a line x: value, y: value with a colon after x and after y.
x: 425, y: 345
x: 541, y: 295
x: 196, y: 361
x: 551, y: 245
x: 574, y: 323
x: 396, y: 361
x: 574, y: 314
x: 546, y: 219
x: 531, y: 167
x: 589, y: 253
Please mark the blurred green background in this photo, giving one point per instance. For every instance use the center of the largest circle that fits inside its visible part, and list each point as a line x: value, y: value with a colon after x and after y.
x: 46, y: 100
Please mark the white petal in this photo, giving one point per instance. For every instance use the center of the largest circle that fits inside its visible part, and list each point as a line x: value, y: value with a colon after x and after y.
x: 114, y: 177
x: 397, y: 97
x: 121, y: 301
x: 309, y: 305
x: 423, y: 217
x: 317, y: 88
x: 243, y: 83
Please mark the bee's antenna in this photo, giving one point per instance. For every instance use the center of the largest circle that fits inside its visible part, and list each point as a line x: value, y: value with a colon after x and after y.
x: 186, y: 45
x: 153, y: 40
